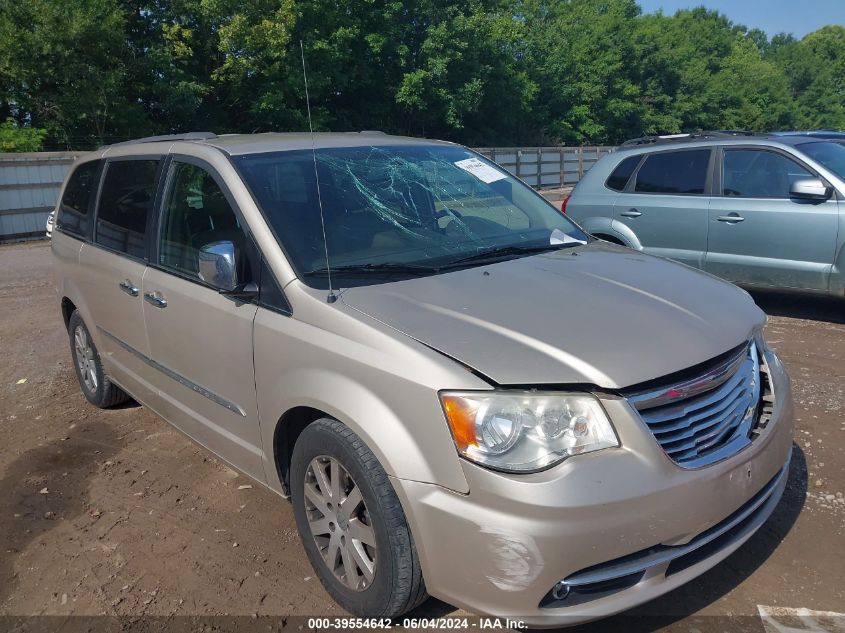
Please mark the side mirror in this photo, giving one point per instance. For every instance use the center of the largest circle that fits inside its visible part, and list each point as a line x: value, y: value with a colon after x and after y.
x: 218, y: 266
x: 810, y: 189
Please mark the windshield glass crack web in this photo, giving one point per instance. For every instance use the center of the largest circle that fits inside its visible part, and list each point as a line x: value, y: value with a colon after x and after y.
x: 404, y: 205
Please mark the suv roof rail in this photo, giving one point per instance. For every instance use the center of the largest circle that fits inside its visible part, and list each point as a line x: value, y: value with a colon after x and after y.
x: 680, y: 138
x: 187, y: 136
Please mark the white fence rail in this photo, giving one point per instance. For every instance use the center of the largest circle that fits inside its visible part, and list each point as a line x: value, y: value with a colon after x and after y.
x: 30, y: 183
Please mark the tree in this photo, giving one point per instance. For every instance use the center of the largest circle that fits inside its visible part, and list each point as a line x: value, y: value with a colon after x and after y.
x: 699, y: 71
x: 815, y: 70
x: 580, y: 54
x: 14, y: 138
x: 62, y: 68
x: 482, y: 72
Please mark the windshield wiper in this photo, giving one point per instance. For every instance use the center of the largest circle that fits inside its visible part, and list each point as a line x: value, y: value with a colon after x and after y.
x: 387, y: 267
x: 495, y: 254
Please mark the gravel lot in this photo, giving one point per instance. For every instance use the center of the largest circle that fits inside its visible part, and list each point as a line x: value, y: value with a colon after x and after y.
x: 115, y: 513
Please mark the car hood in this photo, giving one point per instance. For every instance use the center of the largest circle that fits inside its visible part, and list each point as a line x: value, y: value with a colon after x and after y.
x: 597, y: 314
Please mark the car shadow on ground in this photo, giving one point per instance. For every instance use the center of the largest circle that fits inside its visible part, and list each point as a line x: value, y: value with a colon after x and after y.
x: 129, y: 404
x: 707, y: 588
x: 45, y: 487
x: 800, y: 306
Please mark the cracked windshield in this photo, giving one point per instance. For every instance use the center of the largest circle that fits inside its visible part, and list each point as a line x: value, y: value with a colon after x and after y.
x: 399, y: 211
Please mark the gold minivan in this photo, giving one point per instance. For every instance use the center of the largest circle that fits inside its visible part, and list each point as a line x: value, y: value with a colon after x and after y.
x: 462, y: 393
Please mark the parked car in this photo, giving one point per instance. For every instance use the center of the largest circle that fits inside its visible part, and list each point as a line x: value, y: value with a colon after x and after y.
x: 761, y: 211
x: 428, y: 359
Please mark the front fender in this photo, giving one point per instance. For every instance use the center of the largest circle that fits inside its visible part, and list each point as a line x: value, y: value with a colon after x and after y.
x: 372, y: 419
x: 624, y: 232
x: 602, y: 225
x: 386, y: 395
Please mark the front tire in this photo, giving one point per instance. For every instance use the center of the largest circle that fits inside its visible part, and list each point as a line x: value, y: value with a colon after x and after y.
x: 93, y: 381
x: 351, y: 524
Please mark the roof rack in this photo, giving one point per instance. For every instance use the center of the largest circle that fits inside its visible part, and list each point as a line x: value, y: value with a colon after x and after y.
x: 187, y: 136
x: 681, y: 138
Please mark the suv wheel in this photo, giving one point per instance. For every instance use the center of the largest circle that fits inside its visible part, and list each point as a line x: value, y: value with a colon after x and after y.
x: 352, y: 525
x: 96, y: 386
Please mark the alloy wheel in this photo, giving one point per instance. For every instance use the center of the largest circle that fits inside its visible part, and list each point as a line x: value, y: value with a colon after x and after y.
x: 85, y: 358
x: 340, y: 523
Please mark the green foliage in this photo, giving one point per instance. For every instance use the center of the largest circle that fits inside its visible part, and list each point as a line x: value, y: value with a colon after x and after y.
x: 700, y: 72
x: 815, y: 70
x: 61, y: 66
x: 20, y: 139
x: 485, y: 72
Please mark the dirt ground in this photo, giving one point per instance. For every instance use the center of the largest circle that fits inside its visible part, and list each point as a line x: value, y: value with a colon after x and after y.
x: 115, y: 513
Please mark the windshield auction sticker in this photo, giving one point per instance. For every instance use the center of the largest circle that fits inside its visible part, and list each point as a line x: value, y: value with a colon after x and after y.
x: 482, y: 171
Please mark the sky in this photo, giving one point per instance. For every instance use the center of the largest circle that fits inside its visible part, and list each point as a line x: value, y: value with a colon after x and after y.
x: 798, y: 17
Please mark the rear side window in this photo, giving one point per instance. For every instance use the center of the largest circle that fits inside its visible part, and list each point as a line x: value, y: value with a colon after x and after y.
x: 682, y: 173
x: 622, y: 174
x: 75, y: 208
x: 751, y: 173
x: 125, y: 203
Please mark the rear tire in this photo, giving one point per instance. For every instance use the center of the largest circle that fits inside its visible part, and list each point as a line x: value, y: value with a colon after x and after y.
x: 329, y: 466
x: 93, y: 381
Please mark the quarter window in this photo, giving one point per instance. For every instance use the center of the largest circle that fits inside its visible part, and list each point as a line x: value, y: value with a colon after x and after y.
x: 622, y: 174
x: 682, y: 173
x: 195, y: 213
x: 750, y: 173
x: 125, y: 203
x: 74, y: 210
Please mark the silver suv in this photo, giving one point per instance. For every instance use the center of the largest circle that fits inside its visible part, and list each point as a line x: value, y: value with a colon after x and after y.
x: 427, y: 358
x: 760, y: 211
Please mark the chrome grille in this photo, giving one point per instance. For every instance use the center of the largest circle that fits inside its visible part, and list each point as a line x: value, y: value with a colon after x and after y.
x: 701, y: 420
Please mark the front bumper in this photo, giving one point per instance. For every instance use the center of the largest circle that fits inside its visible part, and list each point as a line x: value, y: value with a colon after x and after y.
x: 621, y: 526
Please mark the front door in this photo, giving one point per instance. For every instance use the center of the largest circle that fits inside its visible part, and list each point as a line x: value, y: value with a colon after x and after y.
x: 760, y: 236
x: 665, y: 205
x: 200, y: 340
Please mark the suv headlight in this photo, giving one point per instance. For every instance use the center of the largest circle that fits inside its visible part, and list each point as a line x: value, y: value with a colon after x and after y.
x: 525, y: 431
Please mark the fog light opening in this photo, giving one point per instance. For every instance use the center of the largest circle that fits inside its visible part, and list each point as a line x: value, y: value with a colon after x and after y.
x: 560, y: 591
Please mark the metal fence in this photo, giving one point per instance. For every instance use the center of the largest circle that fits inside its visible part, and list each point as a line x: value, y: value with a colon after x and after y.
x: 29, y: 187
x: 30, y: 183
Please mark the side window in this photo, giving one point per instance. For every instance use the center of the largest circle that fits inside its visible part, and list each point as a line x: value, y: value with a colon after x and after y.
x: 681, y: 173
x: 196, y: 213
x: 125, y: 203
x: 622, y: 174
x: 74, y: 210
x: 751, y: 173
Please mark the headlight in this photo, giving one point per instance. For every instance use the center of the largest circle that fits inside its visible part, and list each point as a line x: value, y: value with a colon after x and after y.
x: 525, y: 431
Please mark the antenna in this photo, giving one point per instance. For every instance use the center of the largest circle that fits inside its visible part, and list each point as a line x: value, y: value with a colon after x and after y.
x: 332, y: 296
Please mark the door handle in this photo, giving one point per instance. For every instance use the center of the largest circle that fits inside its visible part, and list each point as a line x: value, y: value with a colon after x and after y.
x: 155, y: 299
x: 631, y: 213
x: 128, y: 288
x: 731, y: 219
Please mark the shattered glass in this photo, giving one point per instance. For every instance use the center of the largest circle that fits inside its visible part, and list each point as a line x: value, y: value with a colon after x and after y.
x: 396, y: 204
